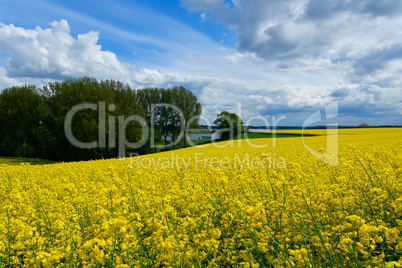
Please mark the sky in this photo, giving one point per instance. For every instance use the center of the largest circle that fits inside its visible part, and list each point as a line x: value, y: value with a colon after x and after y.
x: 274, y: 60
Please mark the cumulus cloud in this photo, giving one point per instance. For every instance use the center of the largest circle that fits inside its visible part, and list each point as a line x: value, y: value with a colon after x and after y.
x: 6, y: 81
x: 361, y: 73
x: 41, y: 55
x: 55, y: 53
x: 288, y: 31
x: 316, y: 9
x: 353, y: 45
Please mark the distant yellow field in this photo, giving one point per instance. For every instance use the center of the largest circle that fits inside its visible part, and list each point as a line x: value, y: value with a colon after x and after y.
x: 237, y: 206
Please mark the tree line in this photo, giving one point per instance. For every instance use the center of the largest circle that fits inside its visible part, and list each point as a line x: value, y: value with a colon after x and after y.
x: 33, y: 119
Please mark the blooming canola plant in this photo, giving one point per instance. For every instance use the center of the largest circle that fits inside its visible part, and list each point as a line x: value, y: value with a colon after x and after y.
x: 206, y: 206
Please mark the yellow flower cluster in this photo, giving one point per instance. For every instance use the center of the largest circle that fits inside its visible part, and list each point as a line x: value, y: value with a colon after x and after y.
x: 242, y: 205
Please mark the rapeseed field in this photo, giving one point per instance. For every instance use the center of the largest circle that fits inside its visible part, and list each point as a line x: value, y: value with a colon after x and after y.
x: 243, y: 205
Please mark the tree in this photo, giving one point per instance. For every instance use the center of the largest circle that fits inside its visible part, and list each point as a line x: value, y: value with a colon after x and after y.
x: 191, y: 110
x: 119, y: 100
x: 363, y: 125
x: 21, y: 113
x: 172, y: 112
x: 32, y: 120
x: 176, y: 119
x: 229, y: 124
x: 165, y: 112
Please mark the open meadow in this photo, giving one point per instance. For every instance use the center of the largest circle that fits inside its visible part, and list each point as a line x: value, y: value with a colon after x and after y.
x: 238, y: 206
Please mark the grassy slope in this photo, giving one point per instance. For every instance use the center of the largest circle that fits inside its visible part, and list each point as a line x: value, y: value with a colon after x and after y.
x: 251, y: 135
x: 19, y: 160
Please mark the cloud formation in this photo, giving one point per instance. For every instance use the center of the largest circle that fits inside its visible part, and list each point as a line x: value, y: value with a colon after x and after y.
x: 354, y: 44
x: 291, y: 57
x: 54, y: 53
x: 290, y: 31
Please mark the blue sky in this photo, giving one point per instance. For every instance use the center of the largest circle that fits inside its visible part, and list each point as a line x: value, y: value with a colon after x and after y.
x: 276, y: 58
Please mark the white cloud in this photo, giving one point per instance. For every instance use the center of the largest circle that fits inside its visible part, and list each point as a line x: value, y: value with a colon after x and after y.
x: 242, y: 58
x: 6, y: 81
x: 291, y: 32
x: 54, y: 53
x: 222, y: 77
x: 203, y: 16
x: 320, y: 49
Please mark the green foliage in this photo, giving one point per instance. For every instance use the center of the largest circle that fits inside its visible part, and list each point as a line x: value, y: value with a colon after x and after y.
x: 119, y: 100
x: 32, y: 119
x: 229, y: 124
x: 21, y: 112
x: 172, y: 112
x: 191, y: 110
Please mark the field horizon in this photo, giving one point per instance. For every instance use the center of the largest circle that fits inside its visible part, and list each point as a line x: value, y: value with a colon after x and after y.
x: 247, y: 204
